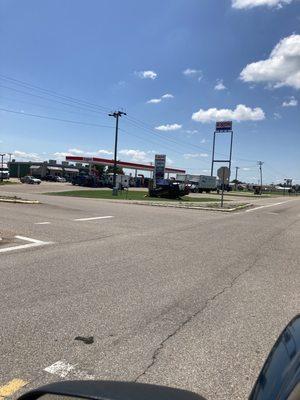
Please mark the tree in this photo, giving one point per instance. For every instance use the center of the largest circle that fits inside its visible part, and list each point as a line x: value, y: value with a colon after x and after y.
x: 99, y: 169
x: 110, y: 170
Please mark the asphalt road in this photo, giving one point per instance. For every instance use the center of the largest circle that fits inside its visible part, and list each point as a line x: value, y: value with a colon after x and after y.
x: 186, y: 298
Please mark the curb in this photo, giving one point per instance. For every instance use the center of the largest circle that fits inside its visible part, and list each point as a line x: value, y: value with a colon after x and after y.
x: 19, y: 201
x: 228, y: 210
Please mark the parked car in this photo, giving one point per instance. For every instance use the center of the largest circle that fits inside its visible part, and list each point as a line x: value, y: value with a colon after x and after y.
x: 50, y: 178
x: 60, y: 179
x: 31, y: 180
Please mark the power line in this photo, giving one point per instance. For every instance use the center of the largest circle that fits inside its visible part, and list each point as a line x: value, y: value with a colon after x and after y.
x: 52, y: 108
x: 81, y: 107
x: 52, y: 92
x: 94, y: 111
x: 93, y: 107
x: 55, y: 119
x: 153, y: 142
x: 83, y: 123
x: 161, y: 136
x: 96, y: 108
x: 138, y: 123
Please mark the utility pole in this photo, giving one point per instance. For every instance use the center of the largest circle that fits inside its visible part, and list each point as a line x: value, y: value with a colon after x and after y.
x: 260, y: 164
x: 10, y: 154
x: 236, y: 176
x: 2, y: 155
x: 116, y: 115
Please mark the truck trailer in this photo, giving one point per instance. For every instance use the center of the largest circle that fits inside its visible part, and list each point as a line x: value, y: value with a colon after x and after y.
x: 199, y: 183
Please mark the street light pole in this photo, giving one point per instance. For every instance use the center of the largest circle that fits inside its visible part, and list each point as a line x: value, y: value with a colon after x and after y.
x: 116, y: 115
x: 2, y: 155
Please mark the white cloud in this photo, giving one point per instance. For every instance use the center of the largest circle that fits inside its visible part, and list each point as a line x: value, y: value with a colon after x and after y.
x: 220, y: 85
x: 203, y: 141
x: 136, y: 155
x: 188, y: 156
x: 246, y: 169
x: 191, y: 72
x: 168, y: 127
x: 195, y: 73
x: 147, y: 74
x: 282, y: 68
x: 292, y: 102
x: 154, y: 101
x: 105, y: 152
x: 240, y: 4
x: 191, y: 132
x: 240, y: 113
x: 61, y: 155
x: 277, y: 115
x: 76, y: 151
x: 23, y: 156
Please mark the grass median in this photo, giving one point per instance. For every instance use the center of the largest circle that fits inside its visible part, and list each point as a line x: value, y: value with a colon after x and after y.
x: 130, y: 195
x: 2, y: 183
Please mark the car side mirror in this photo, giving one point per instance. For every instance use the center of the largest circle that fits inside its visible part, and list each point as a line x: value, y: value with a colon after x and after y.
x: 108, y: 390
x: 280, y: 376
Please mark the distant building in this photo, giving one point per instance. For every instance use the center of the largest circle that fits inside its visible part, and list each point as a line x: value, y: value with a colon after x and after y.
x: 17, y: 169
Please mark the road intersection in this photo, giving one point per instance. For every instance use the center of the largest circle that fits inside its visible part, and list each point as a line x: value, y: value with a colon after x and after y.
x: 187, y: 298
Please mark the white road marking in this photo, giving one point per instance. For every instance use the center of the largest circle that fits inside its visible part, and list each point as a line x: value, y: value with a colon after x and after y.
x: 42, y: 223
x: 63, y: 369
x: 60, y: 368
x: 268, y: 205
x: 92, y: 218
x: 33, y: 243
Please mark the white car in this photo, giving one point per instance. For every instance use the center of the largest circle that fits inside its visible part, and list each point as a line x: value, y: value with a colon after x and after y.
x: 31, y: 180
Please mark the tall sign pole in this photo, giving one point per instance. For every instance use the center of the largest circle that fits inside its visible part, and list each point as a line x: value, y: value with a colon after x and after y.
x: 236, y: 176
x: 2, y: 155
x: 116, y: 115
x: 222, y: 127
x: 159, y: 168
x: 223, y: 174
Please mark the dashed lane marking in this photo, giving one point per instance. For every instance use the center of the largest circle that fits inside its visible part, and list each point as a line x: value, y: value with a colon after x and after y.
x: 42, y: 223
x: 32, y: 243
x: 11, y: 387
x: 93, y: 218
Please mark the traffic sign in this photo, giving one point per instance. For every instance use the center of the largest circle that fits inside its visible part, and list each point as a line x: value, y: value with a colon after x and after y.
x: 223, y: 173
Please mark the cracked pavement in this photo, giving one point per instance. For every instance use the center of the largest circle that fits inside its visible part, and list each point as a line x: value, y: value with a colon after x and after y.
x: 176, y: 297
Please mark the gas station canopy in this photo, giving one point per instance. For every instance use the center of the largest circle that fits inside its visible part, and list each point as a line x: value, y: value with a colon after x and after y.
x: 122, y: 164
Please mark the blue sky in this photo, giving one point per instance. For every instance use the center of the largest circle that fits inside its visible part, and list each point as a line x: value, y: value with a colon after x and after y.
x: 215, y: 59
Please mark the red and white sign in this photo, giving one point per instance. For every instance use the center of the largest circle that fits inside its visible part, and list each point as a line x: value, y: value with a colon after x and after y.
x: 223, y: 126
